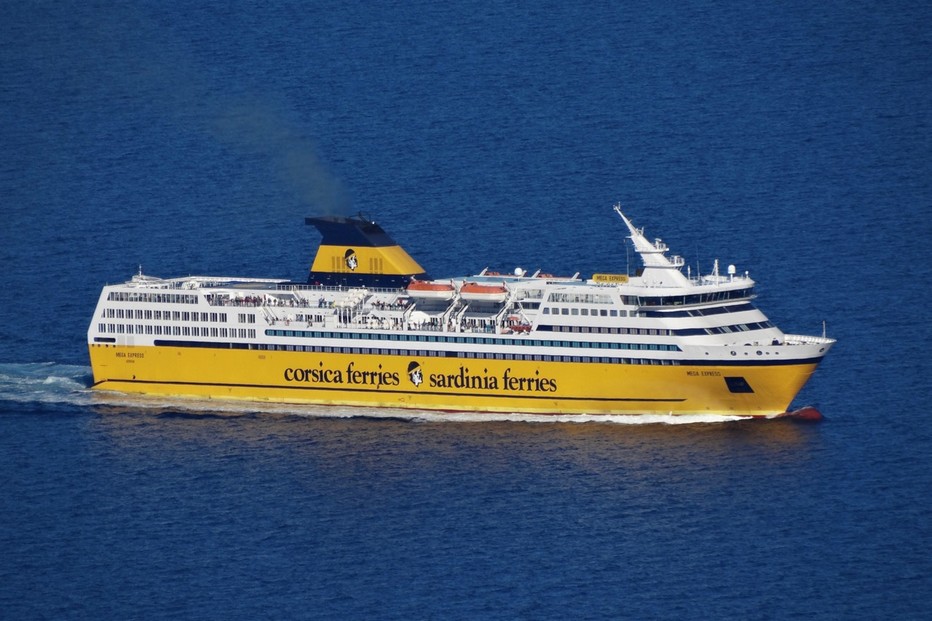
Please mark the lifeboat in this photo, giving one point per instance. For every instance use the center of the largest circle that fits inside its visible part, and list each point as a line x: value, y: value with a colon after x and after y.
x: 483, y: 293
x: 428, y: 289
x: 517, y: 325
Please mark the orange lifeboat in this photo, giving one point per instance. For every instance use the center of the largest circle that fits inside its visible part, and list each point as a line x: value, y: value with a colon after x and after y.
x: 430, y: 290
x: 517, y: 325
x: 483, y: 293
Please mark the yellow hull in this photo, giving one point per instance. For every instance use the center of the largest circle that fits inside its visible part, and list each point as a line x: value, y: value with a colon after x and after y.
x: 450, y: 384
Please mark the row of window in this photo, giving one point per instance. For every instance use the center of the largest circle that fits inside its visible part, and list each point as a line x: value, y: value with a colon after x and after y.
x: 421, y: 353
x: 166, y: 298
x: 586, y: 312
x: 159, y: 315
x: 685, y: 300
x: 604, y: 330
x: 157, y: 330
x: 440, y: 338
x: 744, y: 327
x: 580, y: 298
x: 700, y: 312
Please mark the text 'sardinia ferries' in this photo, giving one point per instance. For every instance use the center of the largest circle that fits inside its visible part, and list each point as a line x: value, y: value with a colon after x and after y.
x: 370, y: 328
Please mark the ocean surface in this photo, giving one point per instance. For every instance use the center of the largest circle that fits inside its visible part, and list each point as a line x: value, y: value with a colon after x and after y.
x: 792, y: 139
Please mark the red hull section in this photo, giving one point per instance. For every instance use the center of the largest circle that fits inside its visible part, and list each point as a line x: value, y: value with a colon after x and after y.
x: 805, y: 413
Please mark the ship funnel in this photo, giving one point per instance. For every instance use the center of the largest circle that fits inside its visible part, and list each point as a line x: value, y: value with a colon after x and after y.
x: 356, y: 252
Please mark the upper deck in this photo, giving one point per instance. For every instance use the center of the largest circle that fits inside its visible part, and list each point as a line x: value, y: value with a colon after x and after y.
x: 659, y: 308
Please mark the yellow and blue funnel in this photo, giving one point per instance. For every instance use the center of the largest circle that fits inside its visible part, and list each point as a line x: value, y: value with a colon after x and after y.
x: 356, y: 252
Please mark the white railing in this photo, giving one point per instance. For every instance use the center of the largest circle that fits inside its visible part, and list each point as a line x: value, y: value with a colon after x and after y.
x: 802, y: 339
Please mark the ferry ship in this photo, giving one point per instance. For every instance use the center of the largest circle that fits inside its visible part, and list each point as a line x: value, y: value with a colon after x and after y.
x: 371, y: 328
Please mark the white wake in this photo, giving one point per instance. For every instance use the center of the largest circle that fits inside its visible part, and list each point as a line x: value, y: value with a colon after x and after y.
x: 45, y: 382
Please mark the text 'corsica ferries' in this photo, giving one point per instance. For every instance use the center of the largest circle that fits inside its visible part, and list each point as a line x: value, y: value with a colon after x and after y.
x: 371, y: 328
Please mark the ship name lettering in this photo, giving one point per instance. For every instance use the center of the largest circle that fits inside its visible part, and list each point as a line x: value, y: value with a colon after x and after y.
x: 528, y: 384
x: 464, y: 379
x: 352, y: 376
x: 377, y: 378
x: 319, y: 375
x: 484, y: 381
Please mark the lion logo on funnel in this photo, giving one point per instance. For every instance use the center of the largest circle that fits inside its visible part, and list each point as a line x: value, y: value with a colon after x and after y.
x: 350, y: 259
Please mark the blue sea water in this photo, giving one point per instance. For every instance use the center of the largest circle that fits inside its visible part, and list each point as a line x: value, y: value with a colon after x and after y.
x: 792, y: 139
